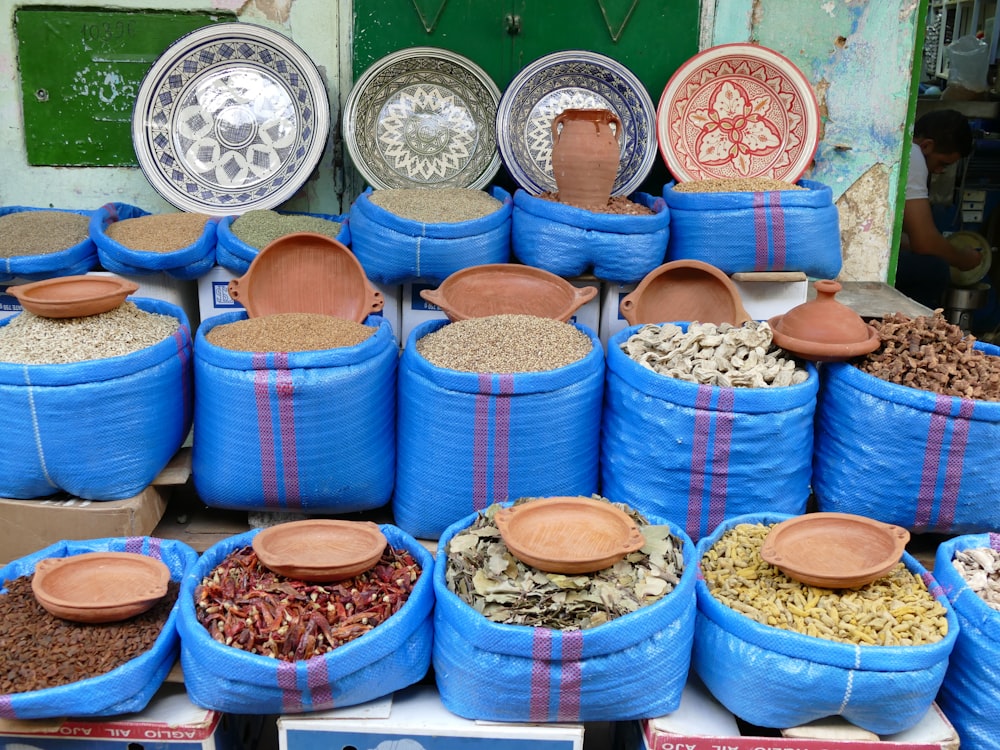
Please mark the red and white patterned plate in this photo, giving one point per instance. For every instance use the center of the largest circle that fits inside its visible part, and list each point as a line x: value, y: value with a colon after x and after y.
x: 737, y: 110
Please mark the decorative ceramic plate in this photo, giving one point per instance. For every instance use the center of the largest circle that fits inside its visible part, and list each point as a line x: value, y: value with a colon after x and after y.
x: 834, y: 550
x: 423, y: 117
x: 737, y: 110
x: 319, y: 549
x: 231, y: 117
x: 573, y: 79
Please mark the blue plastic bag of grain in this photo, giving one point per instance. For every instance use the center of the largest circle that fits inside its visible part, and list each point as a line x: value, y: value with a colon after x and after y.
x: 306, y: 431
x: 466, y: 439
x: 126, y: 688
x: 77, y: 258
x: 569, y: 241
x: 970, y: 693
x: 98, y: 429
x: 696, y: 454
x: 390, y: 656
x: 394, y: 249
x: 188, y: 262
x: 236, y: 255
x: 631, y: 667
x: 775, y: 677
x: 934, y: 455
x: 745, y: 232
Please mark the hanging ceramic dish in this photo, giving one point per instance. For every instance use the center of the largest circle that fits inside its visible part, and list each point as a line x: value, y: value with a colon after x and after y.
x: 834, y: 550
x: 231, y: 117
x: 320, y: 550
x: 573, y: 79
x: 507, y: 288
x: 73, y: 296
x: 822, y: 329
x: 423, y: 117
x: 738, y: 111
x: 97, y: 587
x: 568, y: 534
x: 306, y: 272
x: 684, y: 291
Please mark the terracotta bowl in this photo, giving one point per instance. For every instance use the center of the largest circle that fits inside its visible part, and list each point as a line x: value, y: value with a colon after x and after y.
x: 834, y: 550
x: 822, y: 329
x: 507, y: 288
x: 685, y: 291
x: 306, y: 272
x: 320, y: 550
x: 99, y: 587
x: 73, y: 296
x: 568, y: 534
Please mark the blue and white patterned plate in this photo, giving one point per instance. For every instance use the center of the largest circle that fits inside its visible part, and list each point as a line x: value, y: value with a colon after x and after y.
x: 573, y: 79
x: 423, y: 117
x: 231, y: 117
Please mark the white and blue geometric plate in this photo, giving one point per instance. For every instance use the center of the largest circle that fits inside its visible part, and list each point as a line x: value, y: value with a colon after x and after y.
x: 231, y: 117
x: 573, y: 79
x: 423, y: 117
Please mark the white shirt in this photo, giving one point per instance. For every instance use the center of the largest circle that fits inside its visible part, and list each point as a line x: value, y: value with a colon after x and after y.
x: 916, y: 177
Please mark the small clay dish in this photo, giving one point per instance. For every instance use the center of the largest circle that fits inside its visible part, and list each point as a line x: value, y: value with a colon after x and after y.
x: 834, y: 550
x: 73, y: 296
x: 507, y: 288
x: 306, y: 272
x: 97, y: 587
x: 568, y: 534
x: 684, y: 291
x: 822, y: 329
x: 320, y: 550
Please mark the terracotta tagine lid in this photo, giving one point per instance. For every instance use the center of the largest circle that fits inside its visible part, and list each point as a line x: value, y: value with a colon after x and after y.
x: 685, y: 291
x: 834, y: 550
x: 568, y: 534
x: 586, y: 155
x: 97, y: 587
x: 822, y: 329
x: 507, y: 288
x: 306, y: 272
x: 73, y: 296
x: 320, y: 550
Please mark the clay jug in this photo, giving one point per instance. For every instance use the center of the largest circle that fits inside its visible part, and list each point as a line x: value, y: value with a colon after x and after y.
x: 586, y: 153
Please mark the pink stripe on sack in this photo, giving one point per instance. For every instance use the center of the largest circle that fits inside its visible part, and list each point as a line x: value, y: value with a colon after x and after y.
x: 291, y: 697
x: 133, y: 544
x: 480, y: 442
x: 777, y: 230
x: 541, y: 657
x: 994, y: 540
x: 699, y: 455
x: 759, y: 232
x: 7, y: 707
x: 932, y: 459
x: 318, y: 680
x: 284, y: 389
x: 501, y: 443
x: 718, y: 491
x: 268, y: 470
x: 571, y: 684
x: 182, y: 354
x: 953, y: 465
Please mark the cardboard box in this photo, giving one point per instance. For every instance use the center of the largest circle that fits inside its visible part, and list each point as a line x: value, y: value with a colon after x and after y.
x: 702, y: 723
x: 612, y: 320
x: 416, y: 310
x: 169, y: 722
x: 416, y: 718
x: 392, y: 295
x: 163, y: 286
x: 213, y: 293
x: 765, y: 295
x: 589, y: 314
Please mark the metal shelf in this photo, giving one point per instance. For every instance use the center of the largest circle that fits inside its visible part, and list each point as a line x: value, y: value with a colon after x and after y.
x: 948, y: 20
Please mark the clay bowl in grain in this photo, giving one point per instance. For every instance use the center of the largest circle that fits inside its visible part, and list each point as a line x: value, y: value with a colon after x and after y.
x: 320, y: 550
x: 685, y: 291
x: 73, y: 296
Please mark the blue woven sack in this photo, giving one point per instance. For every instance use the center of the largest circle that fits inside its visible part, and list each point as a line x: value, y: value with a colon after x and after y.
x: 745, y: 232
x: 779, y: 678
x: 128, y: 687
x: 632, y: 667
x: 970, y: 693
x: 188, y: 262
x: 466, y: 440
x: 78, y: 259
x: 303, y: 431
x: 696, y: 454
x: 234, y: 254
x: 99, y: 429
x: 568, y: 241
x: 389, y: 657
x: 934, y: 456
x: 394, y: 250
